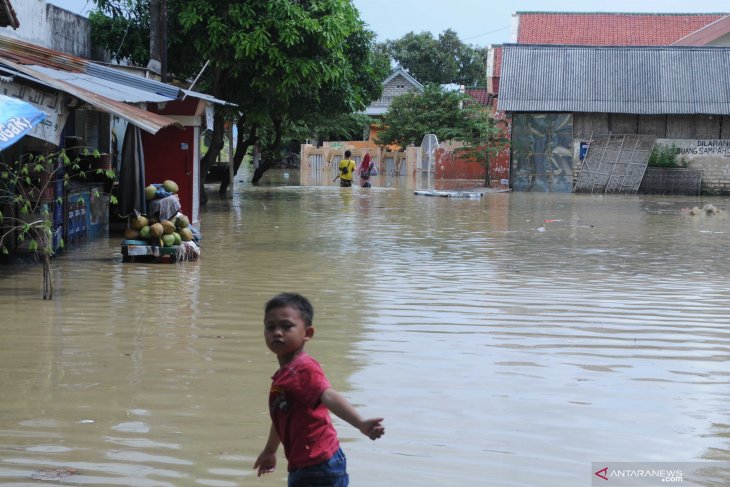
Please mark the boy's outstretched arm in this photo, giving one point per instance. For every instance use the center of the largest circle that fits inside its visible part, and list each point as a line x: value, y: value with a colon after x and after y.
x: 266, y: 462
x: 335, y: 402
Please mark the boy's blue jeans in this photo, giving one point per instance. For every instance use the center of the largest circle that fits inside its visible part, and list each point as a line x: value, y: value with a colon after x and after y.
x: 330, y: 473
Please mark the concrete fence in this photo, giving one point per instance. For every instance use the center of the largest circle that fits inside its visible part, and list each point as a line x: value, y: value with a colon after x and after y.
x: 319, y: 166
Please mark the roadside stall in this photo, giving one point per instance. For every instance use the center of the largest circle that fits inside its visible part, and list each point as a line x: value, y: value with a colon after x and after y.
x: 164, y: 234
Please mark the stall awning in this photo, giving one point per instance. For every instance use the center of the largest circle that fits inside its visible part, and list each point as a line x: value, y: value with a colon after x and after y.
x: 147, y: 121
x: 17, y: 118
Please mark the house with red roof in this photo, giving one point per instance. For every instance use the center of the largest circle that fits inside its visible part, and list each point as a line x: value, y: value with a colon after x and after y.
x: 599, y: 30
x: 611, y: 29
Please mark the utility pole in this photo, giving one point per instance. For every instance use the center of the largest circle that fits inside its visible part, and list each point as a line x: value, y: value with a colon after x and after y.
x: 163, y: 40
x: 155, y: 62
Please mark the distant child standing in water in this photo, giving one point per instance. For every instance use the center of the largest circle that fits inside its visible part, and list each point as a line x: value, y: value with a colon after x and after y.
x: 300, y: 401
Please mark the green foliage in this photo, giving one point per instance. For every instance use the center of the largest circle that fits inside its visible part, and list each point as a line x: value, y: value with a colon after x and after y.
x: 284, y: 64
x: 665, y: 156
x: 484, y: 137
x: 449, y: 115
x: 125, y: 33
x: 443, y: 60
x: 122, y: 27
x: 25, y: 186
x: 349, y: 126
x: 413, y: 115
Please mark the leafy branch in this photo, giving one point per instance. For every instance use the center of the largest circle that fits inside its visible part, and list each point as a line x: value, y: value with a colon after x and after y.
x: 26, y: 193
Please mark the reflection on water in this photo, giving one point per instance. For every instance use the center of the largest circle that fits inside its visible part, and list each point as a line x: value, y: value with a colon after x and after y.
x: 508, y: 341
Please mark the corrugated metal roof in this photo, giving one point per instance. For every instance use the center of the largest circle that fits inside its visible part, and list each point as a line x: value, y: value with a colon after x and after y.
x: 148, y: 121
x: 206, y: 97
x: 133, y: 86
x: 625, y: 79
x: 104, y: 87
x: 134, y: 81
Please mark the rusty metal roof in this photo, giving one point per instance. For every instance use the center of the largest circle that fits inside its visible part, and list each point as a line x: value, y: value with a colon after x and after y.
x: 7, y: 15
x: 147, y: 121
x: 106, y: 88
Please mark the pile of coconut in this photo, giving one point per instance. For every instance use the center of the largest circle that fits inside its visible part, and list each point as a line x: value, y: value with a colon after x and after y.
x: 165, y: 233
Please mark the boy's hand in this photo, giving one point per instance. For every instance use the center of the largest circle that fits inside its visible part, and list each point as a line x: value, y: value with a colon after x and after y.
x: 266, y: 463
x: 372, y: 428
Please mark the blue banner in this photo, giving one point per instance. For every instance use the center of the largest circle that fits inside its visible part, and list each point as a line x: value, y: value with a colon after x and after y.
x: 17, y: 118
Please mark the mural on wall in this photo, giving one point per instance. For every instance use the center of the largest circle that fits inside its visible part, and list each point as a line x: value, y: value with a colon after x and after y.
x: 542, y: 154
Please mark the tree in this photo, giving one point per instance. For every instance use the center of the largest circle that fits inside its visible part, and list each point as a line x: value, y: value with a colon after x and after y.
x: 123, y: 28
x: 484, y: 136
x: 444, y: 60
x: 414, y: 114
x: 289, y: 64
x: 24, y: 188
x: 284, y: 64
x: 451, y: 116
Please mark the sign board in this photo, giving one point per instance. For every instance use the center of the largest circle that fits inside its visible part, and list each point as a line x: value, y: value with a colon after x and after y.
x: 50, y: 103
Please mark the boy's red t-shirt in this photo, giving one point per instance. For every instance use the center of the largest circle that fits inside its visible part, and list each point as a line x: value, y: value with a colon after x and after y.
x: 301, y: 420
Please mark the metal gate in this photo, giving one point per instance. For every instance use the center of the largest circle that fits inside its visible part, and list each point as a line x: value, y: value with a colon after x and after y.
x: 542, y: 156
x: 615, y: 164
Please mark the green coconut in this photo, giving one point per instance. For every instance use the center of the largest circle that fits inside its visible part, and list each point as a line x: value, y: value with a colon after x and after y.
x: 167, y: 226
x: 182, y: 222
x: 150, y: 192
x: 185, y: 234
x: 137, y: 222
x: 168, y: 240
x: 178, y: 238
x: 156, y: 229
x: 144, y: 232
x: 170, y: 186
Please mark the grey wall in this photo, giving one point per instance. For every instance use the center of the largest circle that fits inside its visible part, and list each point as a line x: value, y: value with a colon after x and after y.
x: 663, y: 126
x: 70, y: 33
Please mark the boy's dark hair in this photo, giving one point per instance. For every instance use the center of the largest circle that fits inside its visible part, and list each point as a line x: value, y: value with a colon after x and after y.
x: 347, y: 154
x: 296, y: 301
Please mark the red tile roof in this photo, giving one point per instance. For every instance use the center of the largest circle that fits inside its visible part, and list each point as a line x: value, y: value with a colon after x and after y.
x: 608, y: 29
x: 482, y: 95
x: 707, y: 34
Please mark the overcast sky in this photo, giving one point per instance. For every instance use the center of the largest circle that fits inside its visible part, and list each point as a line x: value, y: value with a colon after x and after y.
x: 478, y: 22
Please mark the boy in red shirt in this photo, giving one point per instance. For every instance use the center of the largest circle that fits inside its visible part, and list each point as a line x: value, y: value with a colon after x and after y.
x: 300, y: 401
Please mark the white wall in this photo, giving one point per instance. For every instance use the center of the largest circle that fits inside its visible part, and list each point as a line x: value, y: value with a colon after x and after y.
x: 52, y: 27
x: 33, y: 25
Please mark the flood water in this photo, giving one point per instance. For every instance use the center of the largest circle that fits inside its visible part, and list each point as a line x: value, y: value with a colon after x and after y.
x: 511, y: 340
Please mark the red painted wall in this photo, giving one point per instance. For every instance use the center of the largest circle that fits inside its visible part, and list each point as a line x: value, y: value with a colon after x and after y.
x: 450, y: 166
x: 169, y: 155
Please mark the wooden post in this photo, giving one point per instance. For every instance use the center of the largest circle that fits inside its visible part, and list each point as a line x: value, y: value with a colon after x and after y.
x: 231, y: 173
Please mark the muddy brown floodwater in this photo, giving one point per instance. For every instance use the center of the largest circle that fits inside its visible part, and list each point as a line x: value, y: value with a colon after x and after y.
x: 512, y: 340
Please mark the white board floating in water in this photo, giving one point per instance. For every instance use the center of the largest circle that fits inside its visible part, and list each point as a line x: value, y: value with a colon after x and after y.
x: 449, y: 194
